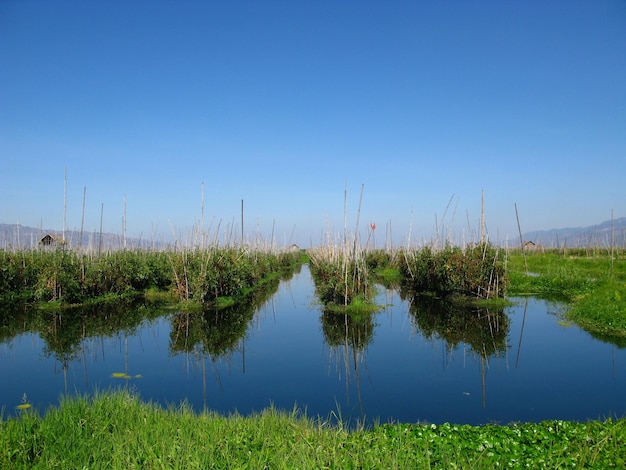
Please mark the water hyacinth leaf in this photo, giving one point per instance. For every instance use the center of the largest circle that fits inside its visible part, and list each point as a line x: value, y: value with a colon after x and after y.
x: 120, y: 375
x: 124, y: 375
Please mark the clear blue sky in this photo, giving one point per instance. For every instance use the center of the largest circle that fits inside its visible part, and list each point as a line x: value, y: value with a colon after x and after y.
x: 285, y: 104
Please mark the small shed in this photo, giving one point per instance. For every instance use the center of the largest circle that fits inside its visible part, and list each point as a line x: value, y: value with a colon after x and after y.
x: 532, y: 246
x: 50, y: 240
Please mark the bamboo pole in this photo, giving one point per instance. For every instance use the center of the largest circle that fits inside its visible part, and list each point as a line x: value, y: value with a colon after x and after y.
x: 358, y: 216
x: 124, y: 225
x: 482, y: 218
x: 612, y: 246
x: 100, y: 241
x: 82, y: 218
x: 521, y: 240
x: 64, y: 201
x: 202, y: 218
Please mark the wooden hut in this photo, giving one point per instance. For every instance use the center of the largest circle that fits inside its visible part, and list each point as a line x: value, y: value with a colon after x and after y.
x: 532, y: 246
x: 50, y: 241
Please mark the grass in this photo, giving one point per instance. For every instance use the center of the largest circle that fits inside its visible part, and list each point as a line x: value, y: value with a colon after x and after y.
x: 592, y: 283
x: 117, y: 430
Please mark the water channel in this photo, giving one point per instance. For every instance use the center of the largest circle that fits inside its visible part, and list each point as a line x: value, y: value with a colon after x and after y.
x: 411, y: 362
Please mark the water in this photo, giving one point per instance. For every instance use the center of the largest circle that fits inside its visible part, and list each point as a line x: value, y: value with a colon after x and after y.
x: 411, y: 362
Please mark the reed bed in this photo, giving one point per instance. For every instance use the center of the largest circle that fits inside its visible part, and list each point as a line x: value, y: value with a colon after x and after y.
x: 344, y: 273
x: 476, y: 271
x: 200, y: 275
x: 341, y: 275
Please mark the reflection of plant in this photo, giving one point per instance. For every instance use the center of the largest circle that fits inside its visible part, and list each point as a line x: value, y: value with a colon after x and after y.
x: 218, y: 331
x: 483, y: 330
x: 64, y: 330
x: 341, y: 329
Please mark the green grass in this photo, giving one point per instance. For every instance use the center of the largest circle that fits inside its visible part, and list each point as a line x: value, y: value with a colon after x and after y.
x: 594, y: 286
x: 117, y: 430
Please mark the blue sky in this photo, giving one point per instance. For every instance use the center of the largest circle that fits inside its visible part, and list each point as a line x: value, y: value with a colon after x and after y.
x: 287, y: 104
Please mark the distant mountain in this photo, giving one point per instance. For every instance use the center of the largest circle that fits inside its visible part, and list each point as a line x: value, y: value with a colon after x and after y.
x: 595, y: 235
x: 21, y: 236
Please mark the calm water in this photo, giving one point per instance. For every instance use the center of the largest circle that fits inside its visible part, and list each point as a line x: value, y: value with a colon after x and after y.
x: 408, y: 363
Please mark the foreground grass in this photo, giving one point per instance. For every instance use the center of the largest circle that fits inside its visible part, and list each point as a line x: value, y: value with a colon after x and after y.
x: 593, y: 284
x: 119, y: 431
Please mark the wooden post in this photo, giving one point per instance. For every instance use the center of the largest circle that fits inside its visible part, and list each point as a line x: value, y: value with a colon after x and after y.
x: 82, y: 219
x: 521, y: 240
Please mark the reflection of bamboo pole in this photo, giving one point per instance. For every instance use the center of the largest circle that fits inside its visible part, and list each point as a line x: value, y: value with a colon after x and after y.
x: 126, y: 359
x: 519, y: 346
x: 204, y: 394
x: 345, y: 358
x: 482, y: 371
x: 243, y: 353
x: 65, y: 375
x: 84, y: 355
x: 358, y: 382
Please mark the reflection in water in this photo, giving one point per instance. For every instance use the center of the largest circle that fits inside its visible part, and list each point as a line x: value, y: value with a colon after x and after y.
x: 216, y: 333
x: 348, y: 337
x: 484, y: 330
x: 395, y: 353
x: 66, y: 332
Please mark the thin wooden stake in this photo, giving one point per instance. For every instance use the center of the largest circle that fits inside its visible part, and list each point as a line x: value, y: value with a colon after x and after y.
x: 242, y: 222
x: 521, y: 240
x: 64, y: 201
x: 82, y: 219
x: 124, y: 225
x: 482, y: 218
x: 100, y: 242
x: 612, y: 245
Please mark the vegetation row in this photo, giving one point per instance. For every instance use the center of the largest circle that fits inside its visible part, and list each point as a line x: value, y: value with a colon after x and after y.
x: 72, y: 277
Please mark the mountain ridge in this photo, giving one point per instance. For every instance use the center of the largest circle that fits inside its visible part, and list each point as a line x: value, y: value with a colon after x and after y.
x: 602, y: 235
x: 599, y: 235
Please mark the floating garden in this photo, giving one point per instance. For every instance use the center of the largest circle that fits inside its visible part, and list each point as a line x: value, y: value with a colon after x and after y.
x: 211, y: 289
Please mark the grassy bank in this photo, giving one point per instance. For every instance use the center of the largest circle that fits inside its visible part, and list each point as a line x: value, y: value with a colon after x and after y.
x: 592, y: 281
x: 119, y: 431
